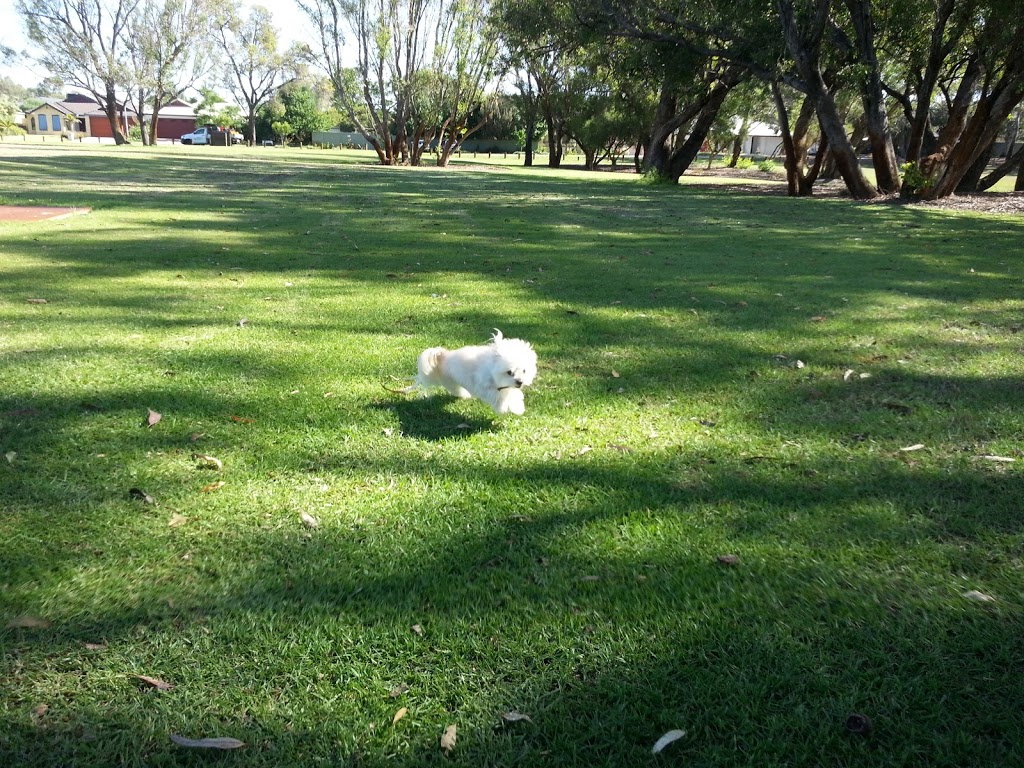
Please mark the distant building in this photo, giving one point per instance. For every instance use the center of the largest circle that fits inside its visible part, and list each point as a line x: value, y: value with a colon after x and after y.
x: 79, y: 116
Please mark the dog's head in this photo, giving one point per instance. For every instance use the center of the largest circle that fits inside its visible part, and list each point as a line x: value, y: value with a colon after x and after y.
x: 515, y: 362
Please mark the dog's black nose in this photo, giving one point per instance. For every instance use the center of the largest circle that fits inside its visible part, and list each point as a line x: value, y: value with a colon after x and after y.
x: 519, y: 382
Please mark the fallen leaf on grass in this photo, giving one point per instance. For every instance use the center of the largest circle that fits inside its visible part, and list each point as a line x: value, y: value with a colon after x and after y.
x: 11, y: 456
x: 41, y: 710
x: 210, y: 487
x: 152, y: 417
x: 728, y: 559
x: 242, y: 322
x: 177, y: 520
x: 208, y: 462
x: 583, y: 450
x: 36, y: 301
x: 667, y: 739
x: 616, y: 374
x: 989, y: 457
x: 309, y: 521
x: 848, y: 373
x: 95, y: 646
x: 243, y: 419
x: 28, y: 622
x: 515, y: 717
x: 399, y: 715
x: 620, y: 448
x: 398, y: 690
x: 196, y: 437
x: 448, y: 738
x: 914, y: 447
x: 417, y: 629
x: 979, y: 597
x: 222, y: 742
x: 590, y: 578
x: 155, y: 682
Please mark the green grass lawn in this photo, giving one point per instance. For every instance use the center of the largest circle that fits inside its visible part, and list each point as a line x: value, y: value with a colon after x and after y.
x: 825, y: 389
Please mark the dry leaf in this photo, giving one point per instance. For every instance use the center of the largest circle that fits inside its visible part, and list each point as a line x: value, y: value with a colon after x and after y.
x: 819, y: 319
x: 95, y: 646
x: 244, y: 419
x: 196, y: 437
x: 616, y: 374
x: 729, y: 559
x: 388, y: 431
x: 915, y: 447
x: 210, y: 487
x: 36, y: 301
x: 848, y: 373
x: 152, y: 417
x: 515, y: 717
x: 223, y: 742
x: 242, y: 322
x: 590, y: 578
x: 309, y: 521
x: 417, y: 629
x: 398, y: 690
x: 11, y: 456
x: 988, y: 457
x: 208, y: 462
x: 156, y: 682
x: 583, y: 450
x: 620, y: 448
x: 399, y: 715
x: 448, y: 738
x: 41, y: 710
x: 799, y: 364
x: 28, y: 622
x: 177, y: 520
x: 667, y: 739
x: 979, y: 597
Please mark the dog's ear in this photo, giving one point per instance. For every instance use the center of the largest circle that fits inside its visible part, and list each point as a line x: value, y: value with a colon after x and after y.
x: 496, y: 337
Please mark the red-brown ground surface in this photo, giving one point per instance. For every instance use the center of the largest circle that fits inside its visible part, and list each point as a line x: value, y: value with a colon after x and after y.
x: 36, y: 213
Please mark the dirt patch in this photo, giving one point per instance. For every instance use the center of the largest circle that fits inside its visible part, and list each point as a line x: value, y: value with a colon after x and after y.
x: 19, y: 213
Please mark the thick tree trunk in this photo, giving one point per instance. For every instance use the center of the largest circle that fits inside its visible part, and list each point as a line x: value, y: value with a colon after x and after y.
x: 113, y: 116
x: 920, y: 124
x: 887, y: 174
x: 806, y: 54
x: 1019, y: 184
x: 687, y: 152
x: 988, y: 119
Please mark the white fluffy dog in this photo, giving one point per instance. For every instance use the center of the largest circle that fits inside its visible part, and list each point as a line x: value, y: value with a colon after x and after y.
x: 495, y: 372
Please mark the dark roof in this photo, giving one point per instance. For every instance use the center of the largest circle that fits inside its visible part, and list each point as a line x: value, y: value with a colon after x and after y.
x: 75, y: 107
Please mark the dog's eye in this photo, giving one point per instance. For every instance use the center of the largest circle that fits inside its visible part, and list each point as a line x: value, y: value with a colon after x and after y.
x: 509, y: 372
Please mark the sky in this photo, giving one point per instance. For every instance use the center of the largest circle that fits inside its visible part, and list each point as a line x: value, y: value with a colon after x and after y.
x: 291, y: 24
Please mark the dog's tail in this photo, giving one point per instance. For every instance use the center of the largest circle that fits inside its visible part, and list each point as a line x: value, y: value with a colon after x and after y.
x: 497, y: 337
x: 428, y: 364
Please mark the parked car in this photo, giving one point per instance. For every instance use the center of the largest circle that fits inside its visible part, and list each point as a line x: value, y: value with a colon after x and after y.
x: 211, y: 134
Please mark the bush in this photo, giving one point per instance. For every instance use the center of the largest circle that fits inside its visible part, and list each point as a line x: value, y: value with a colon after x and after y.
x: 767, y: 166
x: 744, y: 163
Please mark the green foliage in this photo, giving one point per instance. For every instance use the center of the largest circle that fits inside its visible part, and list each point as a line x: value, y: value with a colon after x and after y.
x: 743, y: 163
x: 767, y: 166
x: 914, y: 181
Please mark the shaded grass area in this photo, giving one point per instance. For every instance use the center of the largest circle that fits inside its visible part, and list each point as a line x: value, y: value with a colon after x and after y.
x: 720, y: 373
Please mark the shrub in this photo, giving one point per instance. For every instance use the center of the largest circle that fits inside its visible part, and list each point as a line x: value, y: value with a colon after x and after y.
x: 767, y: 166
x: 744, y: 163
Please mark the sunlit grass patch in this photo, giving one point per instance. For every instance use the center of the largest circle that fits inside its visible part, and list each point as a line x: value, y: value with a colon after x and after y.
x: 828, y: 391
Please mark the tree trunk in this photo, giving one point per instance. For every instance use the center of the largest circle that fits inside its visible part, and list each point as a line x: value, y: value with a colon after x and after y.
x: 1019, y: 185
x: 737, y: 144
x: 687, y: 152
x: 806, y: 55
x: 1016, y: 160
x: 110, y: 108
x: 887, y: 174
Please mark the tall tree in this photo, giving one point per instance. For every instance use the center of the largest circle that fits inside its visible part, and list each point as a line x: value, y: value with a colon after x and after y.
x: 255, y: 67
x: 83, y: 43
x: 168, y: 43
x: 391, y: 43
